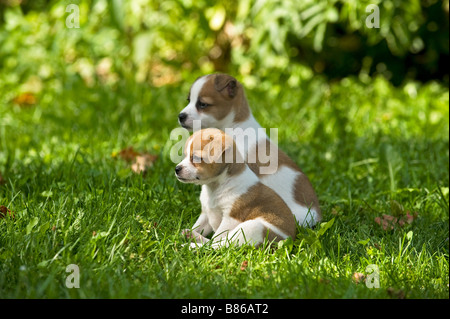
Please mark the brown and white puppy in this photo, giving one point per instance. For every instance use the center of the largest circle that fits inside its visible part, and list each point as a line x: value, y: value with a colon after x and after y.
x: 219, y: 101
x: 236, y: 206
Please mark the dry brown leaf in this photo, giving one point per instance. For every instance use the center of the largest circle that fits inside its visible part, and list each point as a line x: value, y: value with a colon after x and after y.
x: 4, y: 211
x: 128, y: 154
x: 143, y: 162
x: 25, y: 99
x: 358, y: 277
x: 396, y: 293
x: 410, y: 217
x: 140, y: 162
x: 244, y: 265
x: 387, y: 222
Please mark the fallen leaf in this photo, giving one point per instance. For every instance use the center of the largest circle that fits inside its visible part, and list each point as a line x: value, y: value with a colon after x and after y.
x: 358, y: 277
x: 244, y: 265
x: 128, y: 154
x: 25, y: 99
x: 388, y: 222
x: 394, y: 293
x: 143, y: 162
x: 140, y: 162
x: 4, y: 211
x: 410, y: 218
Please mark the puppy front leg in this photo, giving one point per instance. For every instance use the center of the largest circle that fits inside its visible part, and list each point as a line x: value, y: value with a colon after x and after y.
x: 221, y: 236
x: 249, y: 232
x: 200, y: 229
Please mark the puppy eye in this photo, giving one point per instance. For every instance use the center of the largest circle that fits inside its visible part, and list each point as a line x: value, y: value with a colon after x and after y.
x: 196, y: 159
x: 202, y: 105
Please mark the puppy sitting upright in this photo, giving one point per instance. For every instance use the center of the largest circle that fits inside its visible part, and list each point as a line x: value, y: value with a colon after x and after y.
x: 235, y: 205
x: 218, y: 100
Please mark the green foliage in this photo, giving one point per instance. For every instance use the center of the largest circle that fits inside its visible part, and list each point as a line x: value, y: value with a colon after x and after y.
x: 165, y: 42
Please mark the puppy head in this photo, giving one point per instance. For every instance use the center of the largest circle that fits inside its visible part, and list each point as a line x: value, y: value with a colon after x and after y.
x: 217, y: 100
x: 208, y: 153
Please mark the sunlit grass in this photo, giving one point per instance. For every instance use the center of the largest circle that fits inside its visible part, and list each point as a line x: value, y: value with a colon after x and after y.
x: 369, y: 149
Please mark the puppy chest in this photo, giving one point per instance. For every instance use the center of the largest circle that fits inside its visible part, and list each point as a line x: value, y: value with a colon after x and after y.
x: 214, y: 208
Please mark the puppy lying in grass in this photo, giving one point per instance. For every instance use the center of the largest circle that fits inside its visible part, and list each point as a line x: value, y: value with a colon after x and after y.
x: 236, y: 206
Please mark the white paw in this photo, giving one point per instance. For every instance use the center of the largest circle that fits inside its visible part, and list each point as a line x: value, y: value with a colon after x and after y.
x: 193, y: 245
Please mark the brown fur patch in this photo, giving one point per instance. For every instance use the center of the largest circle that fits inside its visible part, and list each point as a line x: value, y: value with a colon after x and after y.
x: 221, y: 103
x: 304, y: 194
x: 303, y: 191
x: 236, y: 169
x: 261, y: 201
x: 255, y: 162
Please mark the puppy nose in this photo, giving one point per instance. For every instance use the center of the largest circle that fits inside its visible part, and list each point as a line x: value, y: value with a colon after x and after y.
x: 178, y: 168
x: 182, y: 117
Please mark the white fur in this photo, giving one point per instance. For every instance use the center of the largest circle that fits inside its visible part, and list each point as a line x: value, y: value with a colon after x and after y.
x: 190, y: 109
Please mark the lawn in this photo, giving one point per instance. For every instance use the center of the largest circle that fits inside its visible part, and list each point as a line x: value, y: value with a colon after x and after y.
x: 375, y: 154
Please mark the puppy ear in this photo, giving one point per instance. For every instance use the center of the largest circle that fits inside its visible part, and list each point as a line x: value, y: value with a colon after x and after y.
x: 220, y: 148
x: 227, y: 149
x: 223, y: 81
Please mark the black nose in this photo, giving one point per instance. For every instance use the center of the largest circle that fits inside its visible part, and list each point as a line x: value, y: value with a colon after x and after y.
x: 182, y: 117
x: 178, y: 169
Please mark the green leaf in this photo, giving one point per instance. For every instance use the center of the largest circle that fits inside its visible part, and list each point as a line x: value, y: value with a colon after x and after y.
x: 325, y: 226
x: 117, y: 13
x: 364, y: 242
x: 286, y: 245
x: 409, y: 235
x: 47, y: 194
x: 318, y: 37
x: 44, y: 227
x: 31, y: 224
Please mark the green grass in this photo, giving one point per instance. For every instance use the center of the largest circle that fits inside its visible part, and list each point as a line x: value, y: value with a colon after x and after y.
x: 369, y: 149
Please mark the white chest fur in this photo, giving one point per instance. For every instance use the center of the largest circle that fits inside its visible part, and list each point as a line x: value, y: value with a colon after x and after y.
x: 217, y: 202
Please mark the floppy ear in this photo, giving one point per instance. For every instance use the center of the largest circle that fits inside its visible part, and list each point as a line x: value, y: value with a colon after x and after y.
x: 219, y: 148
x: 223, y: 81
x: 229, y: 149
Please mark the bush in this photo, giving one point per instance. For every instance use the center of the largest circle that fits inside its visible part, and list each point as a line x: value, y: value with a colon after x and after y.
x: 165, y: 42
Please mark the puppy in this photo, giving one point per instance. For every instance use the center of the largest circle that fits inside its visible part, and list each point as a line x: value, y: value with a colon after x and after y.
x: 219, y: 101
x: 236, y: 206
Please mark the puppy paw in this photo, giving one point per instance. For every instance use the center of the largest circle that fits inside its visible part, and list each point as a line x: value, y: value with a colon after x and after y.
x: 192, y: 245
x: 188, y: 233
